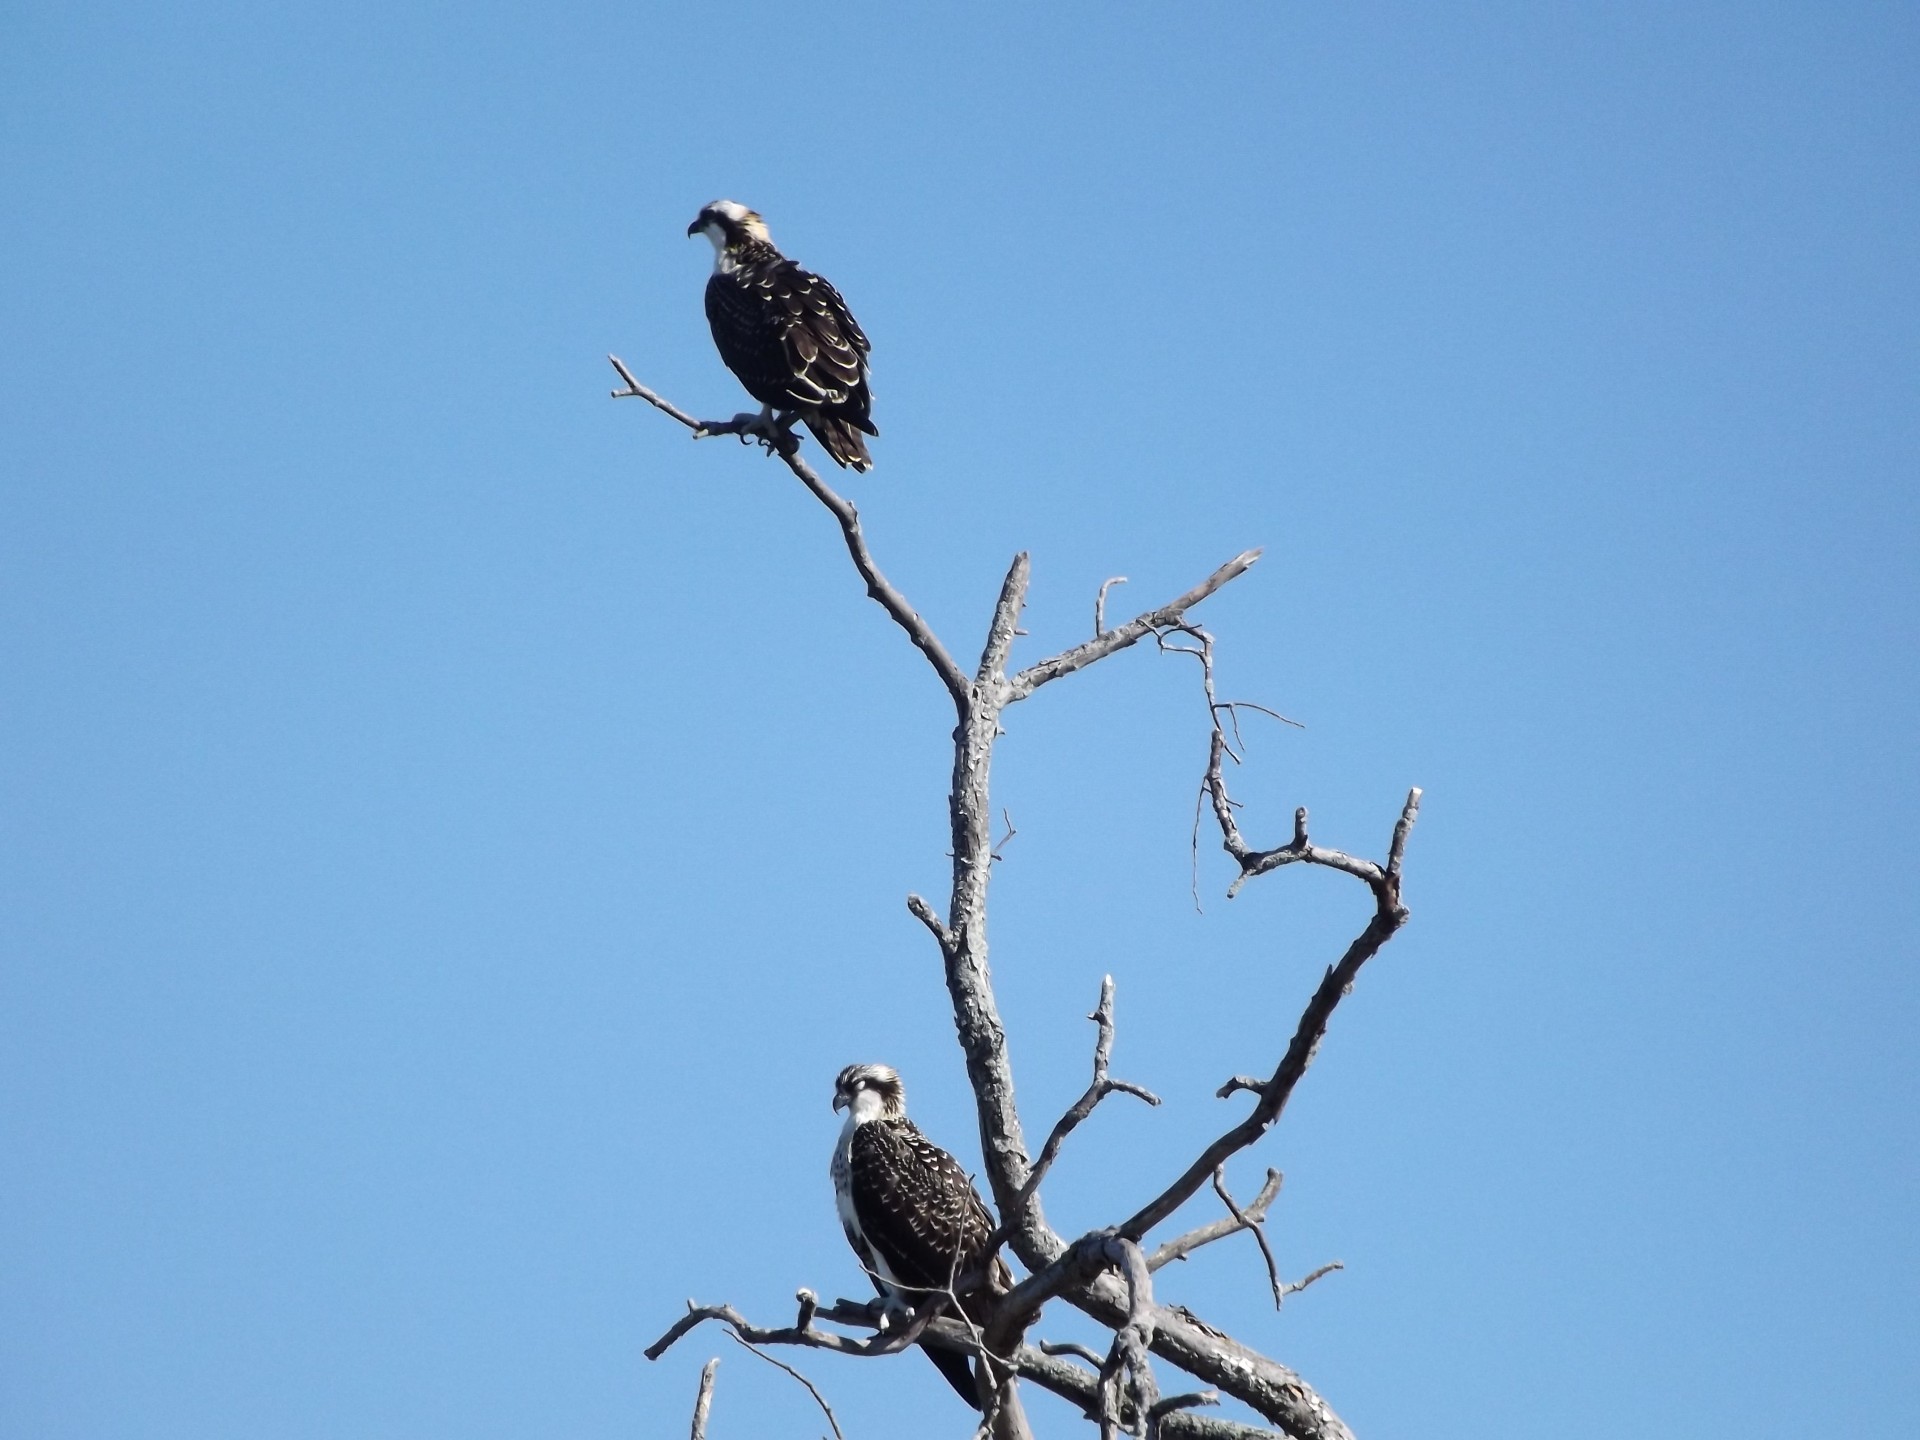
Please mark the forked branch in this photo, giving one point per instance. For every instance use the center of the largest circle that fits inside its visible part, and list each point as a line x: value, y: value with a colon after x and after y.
x: 1389, y: 915
x: 1236, y: 1221
x: 1121, y: 636
x: 1045, y: 1364
x: 1101, y: 1087
x: 1259, y: 1229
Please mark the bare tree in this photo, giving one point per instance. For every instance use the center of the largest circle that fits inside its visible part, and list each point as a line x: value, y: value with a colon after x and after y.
x: 1106, y: 1273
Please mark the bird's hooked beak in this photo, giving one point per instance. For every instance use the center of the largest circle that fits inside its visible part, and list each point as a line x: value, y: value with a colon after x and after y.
x: 840, y: 1100
x: 696, y: 227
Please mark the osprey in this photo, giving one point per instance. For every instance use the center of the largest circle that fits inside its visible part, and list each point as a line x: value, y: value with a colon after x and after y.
x: 787, y: 334
x: 909, y: 1211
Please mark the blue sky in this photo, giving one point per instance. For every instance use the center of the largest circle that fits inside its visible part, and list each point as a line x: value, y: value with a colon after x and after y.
x: 455, y: 828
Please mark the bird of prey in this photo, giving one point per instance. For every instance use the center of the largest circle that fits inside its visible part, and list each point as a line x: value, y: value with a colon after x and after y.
x: 787, y: 334
x: 909, y: 1210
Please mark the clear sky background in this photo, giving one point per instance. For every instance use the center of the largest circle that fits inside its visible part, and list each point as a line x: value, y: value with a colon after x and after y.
x: 455, y: 827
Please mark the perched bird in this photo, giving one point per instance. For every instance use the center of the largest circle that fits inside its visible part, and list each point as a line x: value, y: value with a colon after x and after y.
x: 787, y: 334
x: 909, y: 1211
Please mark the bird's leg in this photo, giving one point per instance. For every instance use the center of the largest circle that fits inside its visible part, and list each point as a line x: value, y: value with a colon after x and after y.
x: 747, y: 425
x: 778, y: 435
x: 756, y: 427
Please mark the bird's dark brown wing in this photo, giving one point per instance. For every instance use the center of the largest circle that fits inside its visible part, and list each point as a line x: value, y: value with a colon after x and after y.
x: 826, y: 348
x: 916, y: 1206
x: 791, y: 339
x: 741, y: 312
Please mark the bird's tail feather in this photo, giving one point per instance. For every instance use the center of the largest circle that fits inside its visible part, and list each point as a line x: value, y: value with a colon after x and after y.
x: 841, y: 439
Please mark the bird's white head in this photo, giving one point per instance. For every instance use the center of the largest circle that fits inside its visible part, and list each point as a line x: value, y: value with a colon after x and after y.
x: 870, y: 1092
x: 728, y: 223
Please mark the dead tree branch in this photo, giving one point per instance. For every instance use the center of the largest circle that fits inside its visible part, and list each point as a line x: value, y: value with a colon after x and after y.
x: 1258, y: 1228
x: 1215, y: 1358
x: 1081, y: 1388
x: 703, y: 1402
x: 1389, y: 915
x: 778, y: 1335
x: 1100, y: 604
x: 1082, y: 1275
x: 1101, y: 1087
x: 1185, y: 1245
x: 999, y: 849
x: 1073, y: 1347
x: 812, y: 1389
x: 1121, y: 636
x: 976, y: 1013
x: 1042, y: 1364
x: 1293, y: 1065
x: 1156, y: 1417
x: 1294, y: 1287
x: 636, y: 391
x: 1384, y: 881
x: 879, y: 587
x: 1127, y: 1363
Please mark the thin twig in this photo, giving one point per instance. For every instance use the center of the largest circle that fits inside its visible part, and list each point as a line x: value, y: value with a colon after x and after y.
x: 1271, y: 714
x: 878, y: 586
x: 812, y: 1390
x: 635, y: 390
x: 1101, y: 1087
x: 775, y: 436
x: 1294, y: 1287
x: 1259, y: 1233
x: 1184, y: 1245
x: 1193, y: 875
x: 1000, y: 846
x: 1121, y: 636
x: 1100, y: 604
x: 923, y: 912
x: 1073, y: 1347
